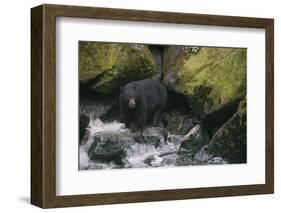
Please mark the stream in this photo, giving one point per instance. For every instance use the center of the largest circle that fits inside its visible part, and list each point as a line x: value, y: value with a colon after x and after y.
x: 109, y: 145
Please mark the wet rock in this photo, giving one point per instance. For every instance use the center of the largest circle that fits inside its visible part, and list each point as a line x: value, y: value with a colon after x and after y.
x: 105, y: 66
x: 229, y: 142
x: 196, y: 138
x: 184, y: 160
x: 109, y: 146
x: 96, y: 105
x: 154, y: 161
x: 175, y: 139
x: 83, y: 123
x: 112, y: 146
x: 180, y: 124
x: 112, y: 114
x: 210, y: 79
x: 151, y: 135
x: 217, y: 160
x: 178, y: 158
x: 203, y: 154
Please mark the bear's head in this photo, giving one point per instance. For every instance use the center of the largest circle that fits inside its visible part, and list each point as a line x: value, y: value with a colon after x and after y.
x: 128, y: 96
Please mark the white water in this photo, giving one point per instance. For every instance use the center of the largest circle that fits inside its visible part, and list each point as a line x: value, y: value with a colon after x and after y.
x: 136, y: 156
x: 95, y: 127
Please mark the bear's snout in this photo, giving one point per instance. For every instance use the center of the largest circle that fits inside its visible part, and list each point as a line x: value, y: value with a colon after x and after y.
x: 131, y: 103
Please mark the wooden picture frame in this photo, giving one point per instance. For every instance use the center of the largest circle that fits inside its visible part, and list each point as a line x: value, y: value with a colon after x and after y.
x: 43, y: 105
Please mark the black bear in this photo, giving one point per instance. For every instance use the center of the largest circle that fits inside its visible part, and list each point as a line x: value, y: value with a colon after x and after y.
x: 142, y: 102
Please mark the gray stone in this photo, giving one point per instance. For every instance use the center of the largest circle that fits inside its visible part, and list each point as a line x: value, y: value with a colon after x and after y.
x: 202, y: 154
x: 180, y: 124
x: 109, y: 146
x: 195, y: 139
x: 217, y: 160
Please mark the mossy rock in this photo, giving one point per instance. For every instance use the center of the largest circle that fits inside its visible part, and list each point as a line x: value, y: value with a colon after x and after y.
x: 105, y: 66
x: 210, y: 79
x: 229, y: 142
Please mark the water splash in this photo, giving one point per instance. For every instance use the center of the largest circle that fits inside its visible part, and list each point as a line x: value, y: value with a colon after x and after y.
x: 145, y: 155
x: 138, y: 155
x: 96, y: 127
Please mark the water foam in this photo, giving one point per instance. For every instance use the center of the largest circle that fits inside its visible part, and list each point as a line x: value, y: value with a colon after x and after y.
x: 139, y: 155
x: 95, y: 127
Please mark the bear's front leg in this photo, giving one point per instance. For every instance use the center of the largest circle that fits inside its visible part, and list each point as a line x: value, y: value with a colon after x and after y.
x: 140, y: 122
x: 156, y: 118
x: 127, y: 124
x: 126, y: 120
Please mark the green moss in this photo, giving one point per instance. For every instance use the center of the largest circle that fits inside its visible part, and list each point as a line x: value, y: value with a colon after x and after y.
x: 211, y: 78
x: 95, y: 58
x: 108, y: 65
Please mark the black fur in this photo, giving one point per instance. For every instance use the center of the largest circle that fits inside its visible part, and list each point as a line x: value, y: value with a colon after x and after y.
x: 150, y: 98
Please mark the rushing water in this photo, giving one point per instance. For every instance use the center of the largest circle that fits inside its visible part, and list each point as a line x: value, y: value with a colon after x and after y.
x: 106, y: 137
x: 138, y: 155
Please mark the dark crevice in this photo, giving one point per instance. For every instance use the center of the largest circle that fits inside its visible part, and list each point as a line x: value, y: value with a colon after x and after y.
x: 177, y: 102
x: 216, y: 119
x: 157, y: 53
x: 91, y: 82
x: 87, y: 93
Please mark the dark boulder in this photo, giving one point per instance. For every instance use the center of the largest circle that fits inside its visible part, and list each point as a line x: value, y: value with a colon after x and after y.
x: 203, y: 155
x: 196, y: 138
x: 180, y: 124
x: 112, y: 146
x: 109, y: 146
x: 151, y: 135
x: 229, y: 142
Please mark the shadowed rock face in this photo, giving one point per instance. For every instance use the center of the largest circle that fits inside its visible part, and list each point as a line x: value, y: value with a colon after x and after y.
x: 180, y: 124
x: 229, y: 142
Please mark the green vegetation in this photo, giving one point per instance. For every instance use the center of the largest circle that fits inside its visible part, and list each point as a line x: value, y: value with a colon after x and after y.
x: 106, y: 66
x: 210, y: 79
